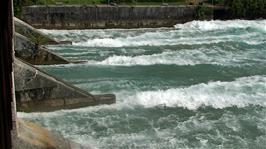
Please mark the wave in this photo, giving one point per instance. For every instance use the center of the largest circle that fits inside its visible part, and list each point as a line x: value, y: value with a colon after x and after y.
x: 163, y: 58
x: 184, y: 34
x: 147, y: 40
x: 187, y: 57
x: 222, y: 25
x: 75, y: 53
x: 240, y: 93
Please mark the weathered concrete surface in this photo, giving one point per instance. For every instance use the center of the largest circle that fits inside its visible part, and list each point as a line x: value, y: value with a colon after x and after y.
x: 102, y: 16
x: 35, y: 54
x: 32, y: 33
x: 32, y: 136
x: 37, y: 91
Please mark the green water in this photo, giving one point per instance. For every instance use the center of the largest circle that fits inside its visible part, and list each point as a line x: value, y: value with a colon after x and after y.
x: 197, y: 85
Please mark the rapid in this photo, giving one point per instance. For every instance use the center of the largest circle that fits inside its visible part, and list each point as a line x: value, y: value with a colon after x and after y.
x: 201, y: 84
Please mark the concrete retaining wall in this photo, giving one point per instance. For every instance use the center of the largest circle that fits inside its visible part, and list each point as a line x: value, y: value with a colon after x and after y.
x: 102, y: 16
x: 37, y: 91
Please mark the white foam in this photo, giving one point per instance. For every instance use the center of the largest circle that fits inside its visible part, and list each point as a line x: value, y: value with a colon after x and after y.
x: 104, y: 42
x: 188, y: 34
x: 222, y: 25
x: 214, y: 56
x: 101, y: 129
x: 178, y: 58
x: 142, y: 60
x: 241, y: 92
x: 148, y: 39
x: 75, y: 53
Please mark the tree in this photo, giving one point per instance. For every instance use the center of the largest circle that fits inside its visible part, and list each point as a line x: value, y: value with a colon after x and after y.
x: 237, y: 8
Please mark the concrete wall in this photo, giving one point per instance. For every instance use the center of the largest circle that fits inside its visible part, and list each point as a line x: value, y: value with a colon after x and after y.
x: 102, y: 16
x: 37, y: 91
x: 36, y: 55
x: 28, y: 41
x: 32, y: 33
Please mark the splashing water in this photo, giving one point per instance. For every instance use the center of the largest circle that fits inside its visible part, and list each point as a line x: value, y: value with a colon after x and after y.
x: 197, y: 85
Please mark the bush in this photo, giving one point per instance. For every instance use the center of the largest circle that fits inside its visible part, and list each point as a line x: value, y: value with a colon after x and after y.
x: 202, y: 12
x: 18, y: 4
x: 248, y: 9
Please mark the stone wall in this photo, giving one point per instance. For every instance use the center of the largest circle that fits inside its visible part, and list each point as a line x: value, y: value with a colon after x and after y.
x: 102, y: 16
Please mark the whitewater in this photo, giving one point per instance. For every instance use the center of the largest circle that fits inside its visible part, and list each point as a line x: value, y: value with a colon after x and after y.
x: 201, y: 84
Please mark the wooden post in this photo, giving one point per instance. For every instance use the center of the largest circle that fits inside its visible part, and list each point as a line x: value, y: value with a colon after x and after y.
x: 6, y: 78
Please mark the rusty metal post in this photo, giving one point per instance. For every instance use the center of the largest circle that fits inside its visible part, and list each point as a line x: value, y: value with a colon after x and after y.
x: 6, y: 78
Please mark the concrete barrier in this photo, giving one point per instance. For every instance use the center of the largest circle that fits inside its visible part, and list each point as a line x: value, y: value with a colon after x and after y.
x: 31, y: 33
x: 35, y: 54
x: 104, y: 16
x: 37, y: 91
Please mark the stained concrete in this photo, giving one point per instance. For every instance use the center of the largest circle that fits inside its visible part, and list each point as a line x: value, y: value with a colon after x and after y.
x: 37, y: 91
x: 33, y: 136
x: 104, y: 16
x: 34, y: 53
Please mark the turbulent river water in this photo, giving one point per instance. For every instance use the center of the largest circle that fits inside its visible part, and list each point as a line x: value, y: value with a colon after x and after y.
x: 201, y: 84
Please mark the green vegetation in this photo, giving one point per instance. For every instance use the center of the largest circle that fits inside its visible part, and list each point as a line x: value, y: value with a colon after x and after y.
x: 202, y: 12
x: 216, y: 2
x: 244, y: 8
x: 18, y: 4
x: 248, y: 8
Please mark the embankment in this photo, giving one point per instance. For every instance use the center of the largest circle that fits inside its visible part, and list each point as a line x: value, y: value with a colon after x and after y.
x: 103, y: 16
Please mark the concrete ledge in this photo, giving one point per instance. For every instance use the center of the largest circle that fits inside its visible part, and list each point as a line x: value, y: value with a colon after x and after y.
x: 47, y: 105
x: 37, y: 91
x: 35, y: 54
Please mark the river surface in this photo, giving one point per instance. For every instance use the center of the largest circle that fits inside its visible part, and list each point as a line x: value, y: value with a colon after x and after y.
x: 196, y: 85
